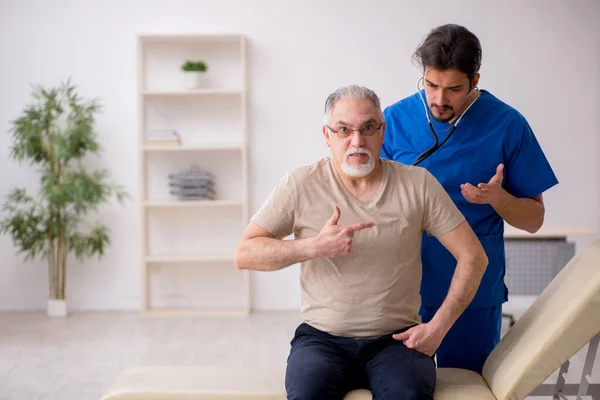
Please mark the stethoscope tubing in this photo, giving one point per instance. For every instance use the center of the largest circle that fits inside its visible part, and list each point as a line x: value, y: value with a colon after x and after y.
x: 424, y: 155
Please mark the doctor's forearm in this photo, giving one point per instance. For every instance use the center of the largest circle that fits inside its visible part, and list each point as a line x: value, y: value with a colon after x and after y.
x: 522, y: 213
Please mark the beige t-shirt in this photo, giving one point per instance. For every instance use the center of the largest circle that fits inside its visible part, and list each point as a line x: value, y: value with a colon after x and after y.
x: 374, y: 290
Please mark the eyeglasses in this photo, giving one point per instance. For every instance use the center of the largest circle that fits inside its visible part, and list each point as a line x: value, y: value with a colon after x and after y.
x: 367, y: 130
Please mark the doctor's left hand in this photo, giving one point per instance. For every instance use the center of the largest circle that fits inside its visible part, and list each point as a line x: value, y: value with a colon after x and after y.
x: 486, y: 193
x: 423, y: 337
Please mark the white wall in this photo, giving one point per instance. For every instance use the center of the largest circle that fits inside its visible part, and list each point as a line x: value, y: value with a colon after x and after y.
x: 541, y: 56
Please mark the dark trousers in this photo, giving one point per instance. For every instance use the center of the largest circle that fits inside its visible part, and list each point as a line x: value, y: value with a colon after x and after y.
x: 470, y: 340
x: 325, y: 367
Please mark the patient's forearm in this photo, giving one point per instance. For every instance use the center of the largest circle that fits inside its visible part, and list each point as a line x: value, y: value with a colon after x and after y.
x: 464, y: 285
x: 270, y: 254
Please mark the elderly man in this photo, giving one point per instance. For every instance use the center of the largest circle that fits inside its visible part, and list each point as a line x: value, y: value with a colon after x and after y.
x: 358, y: 221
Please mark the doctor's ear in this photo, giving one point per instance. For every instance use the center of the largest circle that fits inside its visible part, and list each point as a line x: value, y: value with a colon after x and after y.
x: 475, y: 81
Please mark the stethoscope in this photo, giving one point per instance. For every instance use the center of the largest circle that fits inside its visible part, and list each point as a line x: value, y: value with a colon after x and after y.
x: 436, y: 146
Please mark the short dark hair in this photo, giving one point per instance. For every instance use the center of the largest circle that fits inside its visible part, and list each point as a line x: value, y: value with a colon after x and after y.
x: 450, y: 46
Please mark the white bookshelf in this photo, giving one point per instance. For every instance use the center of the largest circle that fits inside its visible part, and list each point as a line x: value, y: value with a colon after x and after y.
x: 189, y: 204
x: 187, y: 259
x: 187, y: 245
x: 192, y: 92
x: 195, y: 147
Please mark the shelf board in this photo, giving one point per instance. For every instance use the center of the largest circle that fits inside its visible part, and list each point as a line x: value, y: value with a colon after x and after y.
x: 195, y: 92
x: 194, y: 147
x: 190, y: 38
x: 192, y: 312
x: 189, y: 259
x: 191, y: 203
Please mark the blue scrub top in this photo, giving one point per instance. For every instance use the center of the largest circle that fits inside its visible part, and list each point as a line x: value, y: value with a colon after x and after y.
x: 490, y: 133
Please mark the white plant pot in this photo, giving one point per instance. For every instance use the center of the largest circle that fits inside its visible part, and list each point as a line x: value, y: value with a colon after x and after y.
x: 193, y: 79
x: 57, y: 308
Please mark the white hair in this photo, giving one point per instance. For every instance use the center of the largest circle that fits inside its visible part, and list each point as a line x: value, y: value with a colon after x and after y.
x: 351, y: 92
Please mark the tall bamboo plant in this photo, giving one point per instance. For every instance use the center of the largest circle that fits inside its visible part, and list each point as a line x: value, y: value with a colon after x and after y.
x: 55, y: 134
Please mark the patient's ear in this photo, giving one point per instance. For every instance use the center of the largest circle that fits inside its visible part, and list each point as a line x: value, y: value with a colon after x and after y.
x: 326, y: 134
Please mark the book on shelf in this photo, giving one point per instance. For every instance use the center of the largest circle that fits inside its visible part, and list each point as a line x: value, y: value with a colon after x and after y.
x: 163, y: 143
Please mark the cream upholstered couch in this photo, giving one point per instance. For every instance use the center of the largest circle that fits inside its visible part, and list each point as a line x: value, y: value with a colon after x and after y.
x: 560, y: 322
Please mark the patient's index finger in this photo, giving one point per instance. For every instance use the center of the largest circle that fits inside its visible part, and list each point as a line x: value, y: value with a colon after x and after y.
x: 360, y: 226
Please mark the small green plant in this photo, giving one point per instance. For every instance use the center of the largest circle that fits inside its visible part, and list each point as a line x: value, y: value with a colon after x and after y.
x: 194, y: 66
x: 54, y: 134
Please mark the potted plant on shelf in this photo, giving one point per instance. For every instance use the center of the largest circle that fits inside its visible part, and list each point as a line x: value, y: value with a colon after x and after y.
x: 55, y: 134
x: 193, y: 71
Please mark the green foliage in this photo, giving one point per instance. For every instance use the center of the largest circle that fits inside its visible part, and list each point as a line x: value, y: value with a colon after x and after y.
x: 196, y: 66
x: 55, y: 134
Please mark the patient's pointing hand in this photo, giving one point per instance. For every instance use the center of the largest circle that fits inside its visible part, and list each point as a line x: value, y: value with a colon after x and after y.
x: 336, y: 240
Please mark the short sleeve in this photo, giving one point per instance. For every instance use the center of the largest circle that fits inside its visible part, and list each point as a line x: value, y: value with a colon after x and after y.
x: 527, y: 172
x: 387, y: 147
x: 440, y: 214
x: 278, y: 214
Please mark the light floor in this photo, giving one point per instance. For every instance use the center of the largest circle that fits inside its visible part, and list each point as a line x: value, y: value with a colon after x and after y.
x: 77, y: 358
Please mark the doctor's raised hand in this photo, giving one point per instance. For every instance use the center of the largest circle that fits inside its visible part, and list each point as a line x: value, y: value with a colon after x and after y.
x: 486, y: 193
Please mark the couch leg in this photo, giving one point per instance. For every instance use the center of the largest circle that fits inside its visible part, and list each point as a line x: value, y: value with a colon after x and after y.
x: 560, y: 382
x: 586, y: 375
x: 560, y: 390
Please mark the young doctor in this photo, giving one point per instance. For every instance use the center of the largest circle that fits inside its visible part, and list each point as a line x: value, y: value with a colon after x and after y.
x: 486, y: 156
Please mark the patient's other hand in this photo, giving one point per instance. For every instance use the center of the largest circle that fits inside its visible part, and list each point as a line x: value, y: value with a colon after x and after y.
x: 423, y: 338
